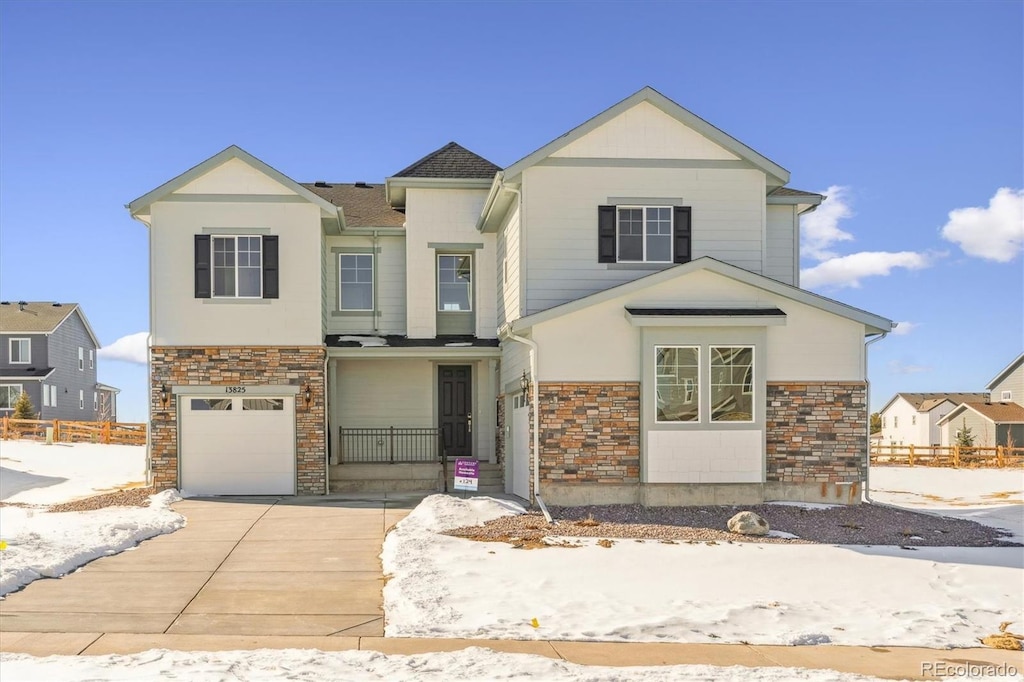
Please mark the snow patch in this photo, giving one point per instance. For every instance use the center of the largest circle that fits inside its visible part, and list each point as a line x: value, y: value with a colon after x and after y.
x: 805, y: 505
x: 36, y: 473
x: 365, y: 341
x: 782, y: 534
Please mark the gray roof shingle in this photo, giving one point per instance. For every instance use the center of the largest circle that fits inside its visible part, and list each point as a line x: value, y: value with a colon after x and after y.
x: 450, y: 161
x: 34, y: 316
x: 923, y: 402
x: 364, y: 204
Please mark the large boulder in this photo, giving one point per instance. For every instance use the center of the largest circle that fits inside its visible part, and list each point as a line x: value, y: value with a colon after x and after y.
x: 748, y: 523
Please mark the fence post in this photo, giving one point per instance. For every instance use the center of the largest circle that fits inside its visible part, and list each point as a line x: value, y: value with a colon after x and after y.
x: 106, y: 433
x: 911, y: 456
x: 56, y: 430
x: 999, y: 456
x: 956, y: 456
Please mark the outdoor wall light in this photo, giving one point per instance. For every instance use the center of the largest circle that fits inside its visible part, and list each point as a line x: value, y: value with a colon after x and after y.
x: 165, y: 394
x: 524, y: 384
x: 307, y: 393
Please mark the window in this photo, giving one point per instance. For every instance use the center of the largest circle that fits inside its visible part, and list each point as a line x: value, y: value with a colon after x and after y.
x: 883, y: 422
x: 731, y: 397
x: 21, y: 351
x: 678, y: 383
x: 92, y: 359
x: 237, y: 267
x: 274, y: 404
x: 95, y: 401
x: 896, y: 422
x: 9, y: 394
x: 454, y: 282
x: 355, y: 281
x: 913, y: 420
x: 1007, y: 395
x: 81, y: 359
x: 199, y: 404
x: 46, y: 395
x: 53, y: 396
x: 81, y: 399
x: 645, y: 234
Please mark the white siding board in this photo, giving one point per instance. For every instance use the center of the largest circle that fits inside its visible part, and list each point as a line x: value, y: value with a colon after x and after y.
x: 389, y: 293
x: 234, y: 176
x: 780, y: 244
x: 380, y: 393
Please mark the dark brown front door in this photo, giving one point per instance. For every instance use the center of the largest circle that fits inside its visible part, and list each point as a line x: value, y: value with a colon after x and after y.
x: 454, y: 410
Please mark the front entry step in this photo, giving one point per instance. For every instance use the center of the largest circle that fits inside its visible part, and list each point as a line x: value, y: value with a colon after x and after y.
x: 385, y: 478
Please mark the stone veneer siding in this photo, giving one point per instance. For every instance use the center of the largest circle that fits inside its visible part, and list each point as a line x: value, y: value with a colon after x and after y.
x: 245, y: 366
x: 590, y: 432
x: 499, y: 430
x: 816, y: 432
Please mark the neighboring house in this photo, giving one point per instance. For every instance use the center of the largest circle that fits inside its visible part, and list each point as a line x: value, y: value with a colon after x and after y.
x: 616, y: 317
x: 996, y: 419
x: 48, y: 350
x: 913, y: 418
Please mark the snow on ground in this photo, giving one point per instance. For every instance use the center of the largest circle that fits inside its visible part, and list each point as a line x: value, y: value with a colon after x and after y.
x: 443, y: 586
x: 36, y: 473
x: 993, y: 497
x: 357, y: 666
x: 42, y: 544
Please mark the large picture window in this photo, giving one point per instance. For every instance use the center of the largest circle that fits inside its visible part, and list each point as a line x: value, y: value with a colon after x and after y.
x: 9, y: 394
x: 454, y: 283
x: 645, y: 234
x: 21, y: 351
x: 678, y: 383
x: 732, y: 376
x: 237, y: 267
x: 355, y: 281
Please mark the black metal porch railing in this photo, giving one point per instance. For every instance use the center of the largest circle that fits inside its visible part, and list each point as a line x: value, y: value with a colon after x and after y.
x: 390, y: 445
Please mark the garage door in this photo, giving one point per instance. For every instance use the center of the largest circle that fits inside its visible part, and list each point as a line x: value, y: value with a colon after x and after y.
x: 521, y: 447
x: 237, y: 446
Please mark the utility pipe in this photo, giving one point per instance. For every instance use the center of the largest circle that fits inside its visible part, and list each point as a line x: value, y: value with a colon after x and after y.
x: 867, y: 393
x: 535, y: 399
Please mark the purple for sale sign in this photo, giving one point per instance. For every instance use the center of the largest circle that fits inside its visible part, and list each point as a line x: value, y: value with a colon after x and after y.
x: 467, y: 473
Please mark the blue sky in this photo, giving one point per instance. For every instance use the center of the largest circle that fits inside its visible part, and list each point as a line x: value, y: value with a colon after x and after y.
x: 908, y: 111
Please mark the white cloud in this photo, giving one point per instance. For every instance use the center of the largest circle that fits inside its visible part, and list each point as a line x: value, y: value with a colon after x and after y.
x: 904, y: 328
x: 993, y: 233
x: 820, y: 230
x: 130, y: 348
x: 897, y: 367
x: 847, y: 271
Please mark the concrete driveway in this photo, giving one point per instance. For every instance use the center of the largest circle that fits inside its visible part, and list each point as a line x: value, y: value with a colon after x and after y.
x: 242, y: 566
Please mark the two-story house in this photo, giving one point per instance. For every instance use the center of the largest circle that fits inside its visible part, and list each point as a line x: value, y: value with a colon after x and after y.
x: 48, y: 351
x: 913, y: 418
x: 997, y: 417
x: 616, y: 317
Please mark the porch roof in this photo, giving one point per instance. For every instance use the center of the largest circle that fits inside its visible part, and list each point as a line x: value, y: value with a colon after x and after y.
x: 391, y: 345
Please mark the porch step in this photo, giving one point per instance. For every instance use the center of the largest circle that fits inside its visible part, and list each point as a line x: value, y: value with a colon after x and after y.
x: 390, y: 478
x: 492, y: 479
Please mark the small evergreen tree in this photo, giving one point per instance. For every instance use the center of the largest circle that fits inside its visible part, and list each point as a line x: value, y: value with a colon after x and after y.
x: 876, y: 422
x: 964, y: 437
x: 23, y: 408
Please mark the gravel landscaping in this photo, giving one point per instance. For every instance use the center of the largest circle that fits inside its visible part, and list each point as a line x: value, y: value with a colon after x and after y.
x: 864, y: 524
x: 129, y: 497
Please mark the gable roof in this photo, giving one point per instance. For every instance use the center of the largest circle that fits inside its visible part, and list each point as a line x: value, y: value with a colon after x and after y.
x: 778, y: 175
x: 1009, y: 369
x: 364, y: 204
x: 450, y: 161
x: 875, y: 323
x: 926, y: 402
x: 998, y: 413
x: 142, y: 204
x: 39, y: 317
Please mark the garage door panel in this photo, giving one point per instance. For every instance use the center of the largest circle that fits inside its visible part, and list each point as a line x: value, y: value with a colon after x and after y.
x: 229, y: 449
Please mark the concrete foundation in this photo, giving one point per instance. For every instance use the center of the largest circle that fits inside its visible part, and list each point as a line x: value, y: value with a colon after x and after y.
x: 699, y: 494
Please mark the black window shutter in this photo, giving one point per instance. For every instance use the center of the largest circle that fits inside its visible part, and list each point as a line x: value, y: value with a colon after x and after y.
x: 605, y: 234
x: 202, y: 266
x: 681, y: 235
x: 270, y: 279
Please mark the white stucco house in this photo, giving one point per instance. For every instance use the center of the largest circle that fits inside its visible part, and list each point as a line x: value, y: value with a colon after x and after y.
x: 913, y: 418
x: 615, y: 317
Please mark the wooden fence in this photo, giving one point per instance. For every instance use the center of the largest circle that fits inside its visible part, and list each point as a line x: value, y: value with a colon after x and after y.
x: 65, y: 431
x: 947, y: 456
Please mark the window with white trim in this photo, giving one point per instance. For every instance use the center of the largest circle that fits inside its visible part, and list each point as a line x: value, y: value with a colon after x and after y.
x: 92, y: 359
x: 237, y: 266
x: 95, y: 400
x: 21, y: 351
x: 9, y: 394
x: 732, y: 371
x: 895, y: 422
x: 81, y: 359
x: 53, y: 395
x: 46, y: 395
x: 355, y: 281
x: 677, y: 383
x: 454, y: 283
x: 1007, y: 395
x: 81, y: 399
x: 644, y: 234
x: 913, y: 420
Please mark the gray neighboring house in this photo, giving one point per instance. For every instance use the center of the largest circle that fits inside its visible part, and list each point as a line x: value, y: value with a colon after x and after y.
x: 48, y: 350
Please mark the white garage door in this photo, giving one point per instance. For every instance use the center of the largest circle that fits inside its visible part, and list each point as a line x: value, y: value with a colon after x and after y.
x: 237, y: 446
x: 521, y: 447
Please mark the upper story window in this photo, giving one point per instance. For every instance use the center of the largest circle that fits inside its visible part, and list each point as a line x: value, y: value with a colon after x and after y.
x: 913, y: 420
x: 454, y: 283
x: 643, y: 234
x: 355, y: 281
x: 92, y: 359
x: 895, y: 422
x: 81, y: 359
x: 21, y: 351
x: 236, y: 266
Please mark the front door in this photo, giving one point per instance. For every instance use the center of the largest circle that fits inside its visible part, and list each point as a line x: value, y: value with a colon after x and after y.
x: 455, y: 412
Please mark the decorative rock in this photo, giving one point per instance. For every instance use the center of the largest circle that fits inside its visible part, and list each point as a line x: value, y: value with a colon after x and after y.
x: 748, y: 523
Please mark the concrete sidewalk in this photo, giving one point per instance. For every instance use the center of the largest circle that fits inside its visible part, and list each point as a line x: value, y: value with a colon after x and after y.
x: 885, y: 662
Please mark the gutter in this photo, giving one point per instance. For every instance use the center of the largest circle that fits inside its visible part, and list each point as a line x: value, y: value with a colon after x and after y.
x: 867, y: 393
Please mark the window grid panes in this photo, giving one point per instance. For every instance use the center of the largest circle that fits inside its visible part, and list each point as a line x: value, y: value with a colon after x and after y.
x: 237, y: 267
x: 203, y: 404
x: 677, y: 383
x: 9, y: 394
x: 263, y: 404
x: 355, y: 281
x: 21, y: 351
x: 454, y: 283
x: 645, y: 234
x: 732, y: 370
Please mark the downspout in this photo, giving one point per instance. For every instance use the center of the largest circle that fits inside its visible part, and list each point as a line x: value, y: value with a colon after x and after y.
x: 149, y: 354
x: 327, y: 426
x: 535, y: 399
x: 375, y: 243
x: 867, y: 393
